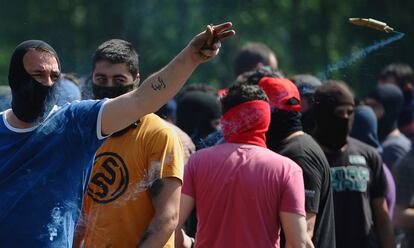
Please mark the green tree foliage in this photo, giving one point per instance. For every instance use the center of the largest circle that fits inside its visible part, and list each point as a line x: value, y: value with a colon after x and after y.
x: 307, y: 35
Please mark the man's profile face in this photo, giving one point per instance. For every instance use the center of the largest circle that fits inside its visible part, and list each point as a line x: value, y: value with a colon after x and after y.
x: 108, y: 74
x: 41, y: 66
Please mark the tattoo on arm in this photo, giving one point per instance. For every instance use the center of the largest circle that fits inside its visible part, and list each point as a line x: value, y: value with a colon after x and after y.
x: 156, y: 188
x: 158, y: 86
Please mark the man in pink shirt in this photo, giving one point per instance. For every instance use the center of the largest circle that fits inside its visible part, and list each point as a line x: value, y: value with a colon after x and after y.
x: 243, y: 192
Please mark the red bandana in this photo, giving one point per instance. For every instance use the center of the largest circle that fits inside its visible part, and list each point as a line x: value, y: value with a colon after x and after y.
x: 247, y: 123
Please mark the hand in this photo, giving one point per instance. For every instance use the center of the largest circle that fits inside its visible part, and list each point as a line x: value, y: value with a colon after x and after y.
x: 206, y: 45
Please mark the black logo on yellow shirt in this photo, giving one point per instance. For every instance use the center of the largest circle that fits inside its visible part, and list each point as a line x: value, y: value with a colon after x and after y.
x: 110, y: 178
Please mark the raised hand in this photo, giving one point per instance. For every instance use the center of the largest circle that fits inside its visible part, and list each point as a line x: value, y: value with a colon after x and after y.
x: 206, y: 45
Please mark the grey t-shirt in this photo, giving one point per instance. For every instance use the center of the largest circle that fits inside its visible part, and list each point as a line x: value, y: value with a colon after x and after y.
x: 404, y: 174
x: 394, y: 149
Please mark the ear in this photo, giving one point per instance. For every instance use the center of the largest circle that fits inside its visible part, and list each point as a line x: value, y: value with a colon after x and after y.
x: 137, y: 78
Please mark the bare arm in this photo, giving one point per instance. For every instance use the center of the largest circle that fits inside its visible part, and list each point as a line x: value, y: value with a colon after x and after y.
x: 186, y: 206
x: 165, y: 194
x: 120, y: 112
x: 310, y: 222
x: 382, y: 222
x: 294, y: 227
x: 403, y: 217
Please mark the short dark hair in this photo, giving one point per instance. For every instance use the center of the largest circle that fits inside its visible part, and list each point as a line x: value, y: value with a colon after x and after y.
x: 251, y: 54
x: 241, y: 93
x: 402, y: 73
x: 117, y: 51
x: 253, y: 77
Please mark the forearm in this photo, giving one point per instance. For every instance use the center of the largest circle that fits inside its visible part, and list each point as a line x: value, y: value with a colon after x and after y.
x: 294, y: 227
x: 384, y: 229
x: 158, y: 232
x: 304, y: 244
x: 310, y: 223
x: 385, y: 233
x: 164, y: 84
x: 150, y: 96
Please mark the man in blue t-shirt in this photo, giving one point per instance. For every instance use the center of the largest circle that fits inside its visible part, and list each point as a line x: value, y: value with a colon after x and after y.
x: 46, y: 151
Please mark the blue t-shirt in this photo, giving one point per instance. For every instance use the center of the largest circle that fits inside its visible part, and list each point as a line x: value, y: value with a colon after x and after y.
x: 43, y: 172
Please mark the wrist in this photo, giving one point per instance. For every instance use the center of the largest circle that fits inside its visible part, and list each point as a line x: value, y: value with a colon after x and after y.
x: 191, y: 56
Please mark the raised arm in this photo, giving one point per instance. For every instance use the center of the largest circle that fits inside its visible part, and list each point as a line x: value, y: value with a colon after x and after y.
x: 157, y: 89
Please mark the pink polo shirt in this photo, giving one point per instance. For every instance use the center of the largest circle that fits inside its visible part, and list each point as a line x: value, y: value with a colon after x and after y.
x: 239, y: 191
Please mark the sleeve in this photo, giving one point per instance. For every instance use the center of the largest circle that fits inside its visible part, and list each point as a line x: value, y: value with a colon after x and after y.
x: 87, y: 120
x: 404, y: 173
x: 188, y: 186
x: 313, y: 184
x: 293, y: 195
x: 166, y: 152
x: 379, y: 186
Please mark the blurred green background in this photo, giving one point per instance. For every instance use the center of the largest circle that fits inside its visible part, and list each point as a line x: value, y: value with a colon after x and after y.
x: 307, y: 35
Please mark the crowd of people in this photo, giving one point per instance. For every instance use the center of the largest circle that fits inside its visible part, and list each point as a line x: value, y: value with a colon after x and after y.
x: 271, y: 161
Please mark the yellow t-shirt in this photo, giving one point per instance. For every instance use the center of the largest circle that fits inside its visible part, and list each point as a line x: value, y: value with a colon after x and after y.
x: 117, y: 205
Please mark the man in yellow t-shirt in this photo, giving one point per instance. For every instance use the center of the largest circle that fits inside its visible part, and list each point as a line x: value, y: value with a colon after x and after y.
x: 133, y: 194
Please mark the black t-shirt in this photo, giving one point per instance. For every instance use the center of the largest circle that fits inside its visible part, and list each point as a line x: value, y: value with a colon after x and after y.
x: 304, y: 151
x: 357, y: 179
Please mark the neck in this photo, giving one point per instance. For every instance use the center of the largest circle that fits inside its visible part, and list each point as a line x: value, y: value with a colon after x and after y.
x: 329, y: 150
x: 16, y: 122
x: 394, y: 133
x: 294, y: 134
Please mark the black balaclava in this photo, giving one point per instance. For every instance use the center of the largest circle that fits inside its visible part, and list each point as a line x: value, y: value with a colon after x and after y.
x: 30, y: 99
x: 282, y: 124
x: 101, y: 92
x: 195, y: 112
x: 331, y: 130
x: 392, y: 99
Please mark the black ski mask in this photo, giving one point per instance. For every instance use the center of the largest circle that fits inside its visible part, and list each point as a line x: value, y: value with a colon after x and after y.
x: 195, y: 112
x: 101, y: 92
x: 332, y: 130
x: 31, y: 100
x: 392, y: 99
x: 282, y: 124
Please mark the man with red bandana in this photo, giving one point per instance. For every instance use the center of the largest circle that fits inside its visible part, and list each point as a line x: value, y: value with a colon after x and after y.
x: 244, y: 193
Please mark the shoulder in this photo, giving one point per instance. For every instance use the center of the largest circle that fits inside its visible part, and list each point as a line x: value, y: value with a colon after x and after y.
x: 274, y: 161
x: 406, y: 161
x: 151, y: 123
x: 83, y: 107
x: 400, y: 142
x: 355, y: 144
x: 359, y: 149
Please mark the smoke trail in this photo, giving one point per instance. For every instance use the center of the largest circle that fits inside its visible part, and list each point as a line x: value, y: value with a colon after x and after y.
x: 358, y: 55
